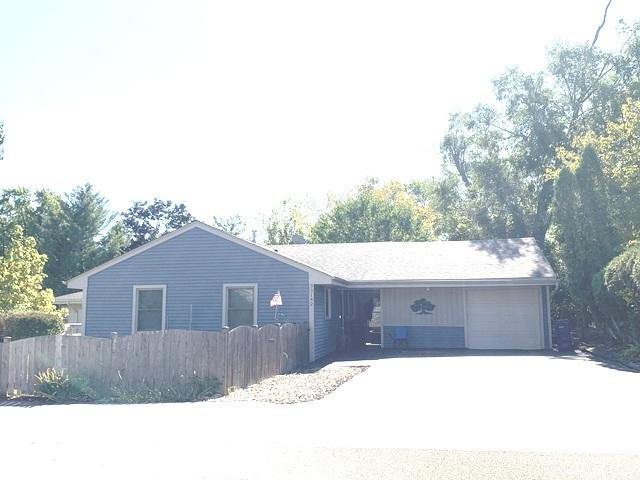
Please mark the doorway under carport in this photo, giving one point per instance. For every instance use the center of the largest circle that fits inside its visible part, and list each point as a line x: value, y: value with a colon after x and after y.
x: 359, y: 319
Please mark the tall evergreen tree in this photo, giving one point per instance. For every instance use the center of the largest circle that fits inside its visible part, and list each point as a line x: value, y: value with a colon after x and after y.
x: 582, y: 232
x: 86, y: 217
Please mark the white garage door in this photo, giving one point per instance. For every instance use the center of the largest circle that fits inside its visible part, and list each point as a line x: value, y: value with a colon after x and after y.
x: 504, y: 318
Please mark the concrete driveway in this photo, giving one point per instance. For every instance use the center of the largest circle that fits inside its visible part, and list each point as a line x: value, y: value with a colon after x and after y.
x: 490, y: 416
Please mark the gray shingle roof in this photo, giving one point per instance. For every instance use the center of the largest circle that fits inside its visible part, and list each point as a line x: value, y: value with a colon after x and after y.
x: 509, y: 259
x: 74, y: 297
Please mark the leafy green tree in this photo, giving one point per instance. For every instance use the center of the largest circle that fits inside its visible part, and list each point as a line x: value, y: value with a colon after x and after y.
x: 233, y: 224
x: 452, y: 218
x: 389, y: 212
x: 16, y: 209
x: 21, y: 276
x: 288, y: 219
x: 503, y: 152
x: 114, y: 243
x: 618, y: 145
x: 146, y: 221
x: 39, y: 213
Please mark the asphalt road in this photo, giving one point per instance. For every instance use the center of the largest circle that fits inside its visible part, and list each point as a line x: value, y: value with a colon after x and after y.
x: 525, y: 417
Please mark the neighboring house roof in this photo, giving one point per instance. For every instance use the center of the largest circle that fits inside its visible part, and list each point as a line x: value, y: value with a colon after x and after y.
x: 517, y: 260
x: 75, y: 297
x: 315, y: 274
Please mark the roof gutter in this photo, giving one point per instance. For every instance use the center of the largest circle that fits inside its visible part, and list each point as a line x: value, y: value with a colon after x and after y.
x: 488, y: 282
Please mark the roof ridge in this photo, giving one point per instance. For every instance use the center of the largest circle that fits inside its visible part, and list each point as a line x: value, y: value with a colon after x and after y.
x: 399, y: 242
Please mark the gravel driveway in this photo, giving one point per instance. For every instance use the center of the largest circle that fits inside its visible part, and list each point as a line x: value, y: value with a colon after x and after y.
x: 303, y: 386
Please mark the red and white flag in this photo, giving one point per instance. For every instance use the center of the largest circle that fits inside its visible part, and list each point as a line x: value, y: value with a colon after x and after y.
x: 276, y: 300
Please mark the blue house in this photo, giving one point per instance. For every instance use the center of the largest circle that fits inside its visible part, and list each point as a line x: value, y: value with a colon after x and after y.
x: 480, y: 294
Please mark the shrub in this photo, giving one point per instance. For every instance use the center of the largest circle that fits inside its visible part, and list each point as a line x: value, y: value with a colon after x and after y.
x: 631, y: 353
x: 184, y: 389
x: 622, y: 280
x: 57, y: 386
x: 19, y: 325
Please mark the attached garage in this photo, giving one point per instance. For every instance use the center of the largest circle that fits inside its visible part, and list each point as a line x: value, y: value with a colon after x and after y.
x: 504, y: 318
x: 485, y: 295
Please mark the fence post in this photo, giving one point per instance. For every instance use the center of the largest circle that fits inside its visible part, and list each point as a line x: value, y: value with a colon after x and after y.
x: 57, y: 359
x: 227, y: 363
x: 114, y: 339
x: 5, y: 365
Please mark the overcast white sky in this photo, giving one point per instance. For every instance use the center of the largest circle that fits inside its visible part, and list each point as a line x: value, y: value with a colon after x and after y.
x: 231, y: 106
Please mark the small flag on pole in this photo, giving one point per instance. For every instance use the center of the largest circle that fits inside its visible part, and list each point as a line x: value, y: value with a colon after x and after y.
x: 276, y: 299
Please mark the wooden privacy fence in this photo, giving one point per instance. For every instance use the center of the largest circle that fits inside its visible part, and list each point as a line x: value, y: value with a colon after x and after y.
x: 237, y: 358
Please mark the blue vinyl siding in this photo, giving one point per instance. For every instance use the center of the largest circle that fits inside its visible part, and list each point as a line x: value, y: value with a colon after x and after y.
x: 321, y: 323
x: 326, y: 329
x: 545, y: 317
x: 428, y: 337
x: 193, y: 266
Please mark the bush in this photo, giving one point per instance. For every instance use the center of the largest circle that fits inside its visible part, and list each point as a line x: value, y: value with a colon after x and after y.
x: 19, y: 325
x: 622, y: 280
x: 57, y: 386
x: 631, y: 353
x: 185, y: 389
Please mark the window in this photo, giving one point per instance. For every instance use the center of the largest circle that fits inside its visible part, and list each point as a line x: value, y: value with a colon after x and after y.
x: 327, y: 302
x: 149, y: 308
x: 240, y: 305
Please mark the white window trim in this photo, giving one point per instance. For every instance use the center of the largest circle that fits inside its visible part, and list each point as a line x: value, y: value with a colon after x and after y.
x: 134, y: 311
x: 227, y: 286
x: 327, y: 302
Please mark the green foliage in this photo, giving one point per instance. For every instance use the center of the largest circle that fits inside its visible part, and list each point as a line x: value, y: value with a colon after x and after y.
x: 232, y: 224
x: 114, y: 243
x: 389, y: 212
x: 145, y: 221
x: 56, y: 386
x: 85, y: 216
x: 618, y: 145
x: 183, y: 389
x: 621, y: 279
x: 631, y: 353
x: 19, y: 325
x: 503, y: 152
x: 21, y: 276
x: 288, y: 219
x: 582, y: 235
x: 67, y: 229
x: 453, y: 220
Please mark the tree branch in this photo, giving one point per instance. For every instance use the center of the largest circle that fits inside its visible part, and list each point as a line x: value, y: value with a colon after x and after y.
x: 604, y: 20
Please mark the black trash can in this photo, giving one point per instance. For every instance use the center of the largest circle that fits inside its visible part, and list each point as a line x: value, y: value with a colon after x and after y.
x: 561, y: 335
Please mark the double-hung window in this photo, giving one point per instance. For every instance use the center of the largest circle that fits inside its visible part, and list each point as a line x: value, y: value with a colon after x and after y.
x: 240, y: 305
x: 149, y: 308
